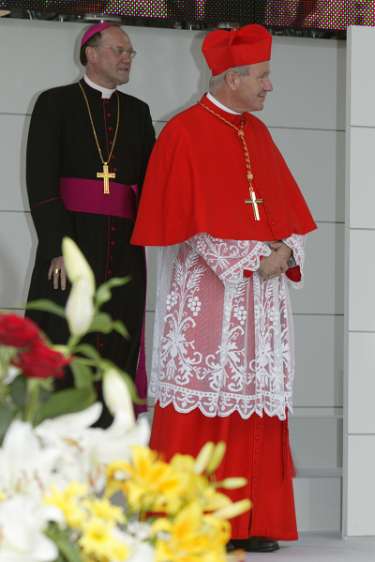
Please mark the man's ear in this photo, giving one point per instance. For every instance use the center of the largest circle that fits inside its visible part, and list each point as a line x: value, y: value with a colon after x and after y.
x: 232, y: 80
x: 91, y: 54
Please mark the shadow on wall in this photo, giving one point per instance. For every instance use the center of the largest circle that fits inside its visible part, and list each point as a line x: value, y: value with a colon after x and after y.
x: 198, y: 89
x: 10, y: 274
x: 15, y: 274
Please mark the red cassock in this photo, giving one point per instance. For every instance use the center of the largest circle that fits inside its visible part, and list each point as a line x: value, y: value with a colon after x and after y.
x: 196, y: 183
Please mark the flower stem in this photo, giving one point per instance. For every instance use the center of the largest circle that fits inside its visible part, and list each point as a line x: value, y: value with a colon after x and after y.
x: 32, y: 400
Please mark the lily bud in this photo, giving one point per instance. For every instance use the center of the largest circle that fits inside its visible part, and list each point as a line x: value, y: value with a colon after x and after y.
x: 76, y: 264
x: 217, y: 457
x: 79, y: 308
x: 232, y: 483
x: 117, y: 397
x: 233, y: 510
x: 204, y: 457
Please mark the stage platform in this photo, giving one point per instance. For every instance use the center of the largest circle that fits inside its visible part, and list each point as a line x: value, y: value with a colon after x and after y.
x: 321, y: 548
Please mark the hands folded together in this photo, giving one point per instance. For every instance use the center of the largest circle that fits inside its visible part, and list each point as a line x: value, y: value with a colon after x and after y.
x: 277, y: 262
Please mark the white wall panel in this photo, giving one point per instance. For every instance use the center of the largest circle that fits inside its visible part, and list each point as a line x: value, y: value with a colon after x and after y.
x: 361, y: 383
x: 323, y: 292
x: 42, y: 59
x: 16, y: 258
x: 316, y: 443
x: 309, y: 85
x: 362, y: 79
x: 361, y: 489
x: 361, y: 280
x: 167, y: 77
x: 361, y: 201
x: 319, y: 361
x: 158, y: 125
x: 12, y: 162
x: 316, y: 159
x: 318, y: 504
x: 359, y: 462
x: 171, y: 78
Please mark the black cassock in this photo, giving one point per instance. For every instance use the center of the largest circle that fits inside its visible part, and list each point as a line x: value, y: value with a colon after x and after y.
x: 61, y: 144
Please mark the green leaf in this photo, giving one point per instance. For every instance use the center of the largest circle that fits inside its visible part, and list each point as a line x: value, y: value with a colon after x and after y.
x: 66, y: 402
x: 18, y: 391
x: 7, y: 414
x: 70, y: 551
x: 102, y: 323
x: 83, y: 375
x: 88, y: 351
x: 119, y: 327
x: 46, y: 306
x: 104, y: 293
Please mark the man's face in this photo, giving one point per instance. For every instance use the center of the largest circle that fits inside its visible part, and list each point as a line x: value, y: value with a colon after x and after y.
x: 112, y: 58
x: 251, y: 89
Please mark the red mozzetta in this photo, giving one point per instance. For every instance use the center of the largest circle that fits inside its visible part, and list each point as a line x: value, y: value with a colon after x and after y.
x: 196, y: 182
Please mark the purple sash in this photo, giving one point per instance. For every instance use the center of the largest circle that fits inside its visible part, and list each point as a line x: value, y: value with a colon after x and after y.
x: 86, y: 196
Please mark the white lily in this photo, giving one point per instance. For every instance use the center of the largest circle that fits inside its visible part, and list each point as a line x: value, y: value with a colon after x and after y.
x: 114, y: 443
x: 139, y: 551
x: 11, y: 374
x: 25, y: 465
x: 69, y: 434
x: 69, y: 425
x: 22, y: 522
x: 117, y: 397
x: 76, y: 264
x: 85, y: 449
x: 79, y: 308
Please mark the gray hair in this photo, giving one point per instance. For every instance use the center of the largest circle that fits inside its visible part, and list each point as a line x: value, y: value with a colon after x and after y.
x: 218, y: 80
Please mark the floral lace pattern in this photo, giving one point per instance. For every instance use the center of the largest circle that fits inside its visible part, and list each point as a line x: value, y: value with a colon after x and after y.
x: 223, y: 342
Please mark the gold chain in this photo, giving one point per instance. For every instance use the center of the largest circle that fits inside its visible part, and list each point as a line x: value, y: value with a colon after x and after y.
x: 94, y: 130
x: 241, y: 134
x: 253, y: 201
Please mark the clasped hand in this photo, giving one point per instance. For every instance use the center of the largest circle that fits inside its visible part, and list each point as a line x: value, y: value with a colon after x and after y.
x: 277, y: 262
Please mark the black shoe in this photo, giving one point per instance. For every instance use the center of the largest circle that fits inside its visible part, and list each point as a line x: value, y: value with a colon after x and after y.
x: 253, y: 544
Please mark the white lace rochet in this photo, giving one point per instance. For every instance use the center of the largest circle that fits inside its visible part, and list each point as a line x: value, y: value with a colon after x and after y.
x: 223, y: 342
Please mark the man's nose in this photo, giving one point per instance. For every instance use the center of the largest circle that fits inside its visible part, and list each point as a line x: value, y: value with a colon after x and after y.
x: 268, y: 85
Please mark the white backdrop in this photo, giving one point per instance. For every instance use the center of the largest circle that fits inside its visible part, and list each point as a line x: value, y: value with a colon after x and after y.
x: 306, y: 114
x: 359, y: 488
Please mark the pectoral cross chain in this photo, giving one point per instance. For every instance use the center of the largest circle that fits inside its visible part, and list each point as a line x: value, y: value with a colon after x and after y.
x: 249, y: 174
x: 106, y: 175
x: 254, y: 202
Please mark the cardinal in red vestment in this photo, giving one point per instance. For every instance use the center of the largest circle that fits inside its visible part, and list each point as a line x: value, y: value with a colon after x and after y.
x: 230, y: 221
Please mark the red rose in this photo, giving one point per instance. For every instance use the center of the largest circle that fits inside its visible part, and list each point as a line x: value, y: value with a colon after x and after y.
x: 41, y: 362
x: 16, y: 331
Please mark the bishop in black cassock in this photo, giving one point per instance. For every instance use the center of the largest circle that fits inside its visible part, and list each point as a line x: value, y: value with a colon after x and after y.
x: 67, y: 197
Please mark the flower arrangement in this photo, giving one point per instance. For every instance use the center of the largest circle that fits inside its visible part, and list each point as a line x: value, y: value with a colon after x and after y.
x: 70, y: 492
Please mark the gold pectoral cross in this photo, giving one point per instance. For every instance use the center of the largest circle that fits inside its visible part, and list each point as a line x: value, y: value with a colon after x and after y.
x: 254, y: 202
x: 106, y: 175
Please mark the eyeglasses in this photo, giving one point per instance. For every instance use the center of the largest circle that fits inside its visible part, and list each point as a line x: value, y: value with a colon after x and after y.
x: 119, y: 51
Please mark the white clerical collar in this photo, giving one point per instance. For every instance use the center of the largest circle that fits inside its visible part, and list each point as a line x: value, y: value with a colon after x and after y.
x: 106, y: 93
x: 221, y: 105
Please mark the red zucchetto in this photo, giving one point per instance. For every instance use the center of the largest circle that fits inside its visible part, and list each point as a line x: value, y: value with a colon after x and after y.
x: 226, y: 49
